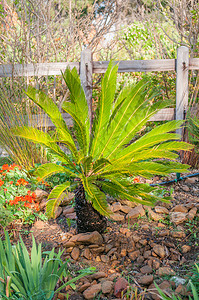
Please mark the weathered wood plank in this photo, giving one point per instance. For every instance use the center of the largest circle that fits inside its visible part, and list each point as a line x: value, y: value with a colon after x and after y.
x: 40, y: 69
x: 194, y: 64
x: 42, y: 120
x: 137, y: 65
x: 182, y: 83
x: 165, y: 114
x: 86, y: 76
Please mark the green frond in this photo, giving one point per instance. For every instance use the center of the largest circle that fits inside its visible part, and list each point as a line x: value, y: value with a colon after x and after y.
x: 51, y: 109
x: 49, y: 169
x: 100, y: 164
x: 104, y: 108
x: 96, y: 197
x: 37, y: 136
x: 81, y: 130
x: 55, y: 198
x: 78, y: 99
x: 86, y: 162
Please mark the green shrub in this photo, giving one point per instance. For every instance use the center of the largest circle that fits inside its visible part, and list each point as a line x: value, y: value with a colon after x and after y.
x: 31, y: 277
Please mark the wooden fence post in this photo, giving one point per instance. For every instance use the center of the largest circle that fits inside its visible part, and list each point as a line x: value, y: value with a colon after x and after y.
x: 86, y: 72
x: 182, y: 84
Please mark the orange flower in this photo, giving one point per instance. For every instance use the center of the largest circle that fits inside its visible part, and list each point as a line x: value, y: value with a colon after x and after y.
x: 22, y: 181
x: 1, y: 182
x: 5, y: 190
x: 37, y: 206
x: 27, y: 205
x: 136, y: 180
x: 5, y: 167
x: 11, y: 182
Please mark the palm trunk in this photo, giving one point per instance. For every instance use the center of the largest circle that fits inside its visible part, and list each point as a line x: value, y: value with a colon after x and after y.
x: 88, y: 219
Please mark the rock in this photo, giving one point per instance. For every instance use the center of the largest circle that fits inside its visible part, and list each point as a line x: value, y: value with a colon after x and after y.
x: 58, y: 212
x: 68, y: 244
x: 159, y: 250
x: 178, y: 217
x: 98, y: 275
x: 75, y: 253
x: 185, y: 188
x: 178, y: 234
x: 92, y: 291
x: 191, y: 180
x: 186, y: 248
x: 180, y: 208
x: 67, y: 199
x: 68, y: 210
x: 120, y: 287
x: 161, y: 210
x: 129, y: 203
x: 98, y: 259
x: 87, y: 253
x: 192, y: 213
x: 140, y: 259
x: 147, y: 253
x: 75, y: 297
x: 96, y: 250
x: 105, y: 258
x: 42, y: 204
x: 124, y: 230
x: 87, y: 238
x: 107, y: 287
x: 117, y: 217
x: 165, y: 271
x: 40, y: 195
x: 133, y: 255
x: 116, y: 207
x: 146, y: 270
x: 146, y: 279
x: 71, y: 216
x: 154, y: 216
x: 125, y: 208
x: 123, y: 252
x: 83, y: 287
x: 136, y: 212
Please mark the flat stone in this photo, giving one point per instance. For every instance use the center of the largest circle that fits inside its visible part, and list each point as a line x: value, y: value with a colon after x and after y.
x: 165, y: 271
x: 136, y: 212
x: 83, y: 287
x: 105, y: 258
x: 120, y: 287
x: 88, y: 238
x: 68, y: 210
x: 178, y: 234
x: 75, y: 253
x: 191, y: 180
x: 40, y: 195
x: 115, y: 206
x: 180, y: 208
x: 92, y: 291
x: 98, y: 275
x: 68, y: 244
x: 125, y: 208
x: 107, y: 287
x: 161, y: 210
x: 67, y: 199
x: 71, y: 216
x: 86, y: 253
x: 185, y: 188
x: 58, y: 212
x: 133, y: 255
x: 178, y: 217
x: 186, y: 248
x: 159, y: 250
x: 192, y: 213
x: 146, y: 270
x: 129, y: 203
x: 154, y: 216
x: 43, y: 203
x: 146, y: 279
x: 117, y: 217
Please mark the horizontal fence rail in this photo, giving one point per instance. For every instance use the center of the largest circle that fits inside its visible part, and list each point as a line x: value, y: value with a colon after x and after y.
x: 86, y: 67
x: 48, y: 69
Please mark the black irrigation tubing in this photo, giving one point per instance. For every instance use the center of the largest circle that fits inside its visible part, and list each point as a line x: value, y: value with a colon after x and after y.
x: 178, y: 178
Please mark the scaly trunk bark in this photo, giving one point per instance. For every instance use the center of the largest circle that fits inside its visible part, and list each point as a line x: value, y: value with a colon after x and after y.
x: 88, y: 219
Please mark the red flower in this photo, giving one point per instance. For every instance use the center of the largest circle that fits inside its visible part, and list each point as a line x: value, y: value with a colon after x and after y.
x: 5, y: 167
x: 5, y: 190
x: 1, y: 182
x: 11, y: 182
x: 22, y: 181
x: 136, y: 180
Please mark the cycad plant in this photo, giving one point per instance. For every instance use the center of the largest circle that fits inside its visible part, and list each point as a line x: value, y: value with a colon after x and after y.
x: 103, y: 156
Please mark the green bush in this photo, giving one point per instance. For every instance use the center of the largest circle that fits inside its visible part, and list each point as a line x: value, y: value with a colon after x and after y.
x: 31, y: 277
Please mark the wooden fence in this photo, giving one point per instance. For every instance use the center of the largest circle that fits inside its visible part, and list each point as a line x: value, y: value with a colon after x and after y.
x: 86, y: 67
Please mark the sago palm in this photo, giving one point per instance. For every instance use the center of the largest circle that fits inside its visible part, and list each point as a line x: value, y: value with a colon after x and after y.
x: 103, y: 155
